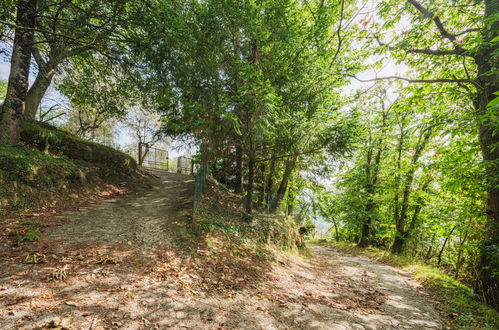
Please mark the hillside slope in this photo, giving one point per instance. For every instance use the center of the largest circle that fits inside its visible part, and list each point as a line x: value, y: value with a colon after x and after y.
x: 52, y: 167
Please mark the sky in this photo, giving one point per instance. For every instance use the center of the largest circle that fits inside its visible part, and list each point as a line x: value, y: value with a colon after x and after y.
x: 4, y: 70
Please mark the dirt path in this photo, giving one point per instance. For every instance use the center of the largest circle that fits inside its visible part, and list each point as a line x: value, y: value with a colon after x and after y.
x: 154, y: 218
x: 117, y: 265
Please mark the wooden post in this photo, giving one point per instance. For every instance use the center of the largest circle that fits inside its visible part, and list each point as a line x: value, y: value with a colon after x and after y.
x: 139, y: 158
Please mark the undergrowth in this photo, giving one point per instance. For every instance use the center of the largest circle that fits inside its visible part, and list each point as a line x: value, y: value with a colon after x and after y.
x: 462, y: 308
x: 272, y: 231
x: 23, y: 163
x: 244, y: 248
x: 27, y: 231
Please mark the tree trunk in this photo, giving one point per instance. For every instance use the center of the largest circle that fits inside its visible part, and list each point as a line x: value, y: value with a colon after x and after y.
x: 12, y: 111
x: 396, y: 197
x: 281, y: 191
x: 402, y: 233
x: 488, y: 80
x: 238, y: 188
x: 139, y: 156
x: 459, y: 261
x: 365, y: 233
x: 38, y: 89
x: 261, y: 190
x: 430, y: 249
x: 399, y: 242
x: 251, y: 184
x: 372, y: 170
x: 443, y: 246
x: 270, y: 181
x: 336, y: 232
x: 225, y: 166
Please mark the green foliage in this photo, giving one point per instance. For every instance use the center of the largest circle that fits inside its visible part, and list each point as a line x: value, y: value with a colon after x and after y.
x: 31, y: 235
x: 98, y: 91
x: 218, y: 224
x: 30, y: 166
x: 266, y: 83
x: 27, y: 231
x: 415, y: 177
x: 3, y: 89
x: 307, y: 228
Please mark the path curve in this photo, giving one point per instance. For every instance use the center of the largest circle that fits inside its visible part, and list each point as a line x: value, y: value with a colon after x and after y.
x: 404, y: 308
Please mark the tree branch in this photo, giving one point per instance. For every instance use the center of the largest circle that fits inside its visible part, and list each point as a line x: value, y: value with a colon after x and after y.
x: 440, y: 26
x: 76, y: 40
x: 38, y: 58
x: 466, y: 31
x: 55, y: 117
x: 338, y: 33
x: 439, y: 52
x: 428, y: 14
x: 426, y: 81
x: 428, y: 51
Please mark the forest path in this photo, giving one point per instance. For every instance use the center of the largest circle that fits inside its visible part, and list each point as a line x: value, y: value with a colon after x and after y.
x: 129, y: 263
x: 153, y: 218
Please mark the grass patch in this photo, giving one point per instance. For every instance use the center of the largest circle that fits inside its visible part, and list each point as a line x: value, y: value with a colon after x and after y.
x: 30, y: 235
x: 25, y: 164
x: 461, y: 306
x: 27, y: 231
x: 218, y: 225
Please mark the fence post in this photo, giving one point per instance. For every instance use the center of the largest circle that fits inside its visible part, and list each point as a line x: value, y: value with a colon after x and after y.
x: 199, y: 185
x: 139, y: 156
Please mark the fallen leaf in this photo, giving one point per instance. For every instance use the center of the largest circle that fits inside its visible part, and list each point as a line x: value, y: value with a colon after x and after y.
x: 71, y: 303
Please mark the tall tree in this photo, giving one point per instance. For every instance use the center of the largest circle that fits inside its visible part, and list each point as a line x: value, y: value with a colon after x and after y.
x: 263, y: 83
x: 14, y: 105
x: 460, y: 42
x: 375, y: 148
x: 53, y: 32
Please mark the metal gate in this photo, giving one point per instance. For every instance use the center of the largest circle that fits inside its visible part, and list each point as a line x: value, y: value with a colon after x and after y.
x: 158, y: 159
x: 153, y: 157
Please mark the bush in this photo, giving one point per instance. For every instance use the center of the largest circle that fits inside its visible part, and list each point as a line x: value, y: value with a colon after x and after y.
x: 307, y: 228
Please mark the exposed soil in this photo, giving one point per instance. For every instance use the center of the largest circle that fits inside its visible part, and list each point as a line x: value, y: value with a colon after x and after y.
x: 156, y: 218
x: 132, y: 263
